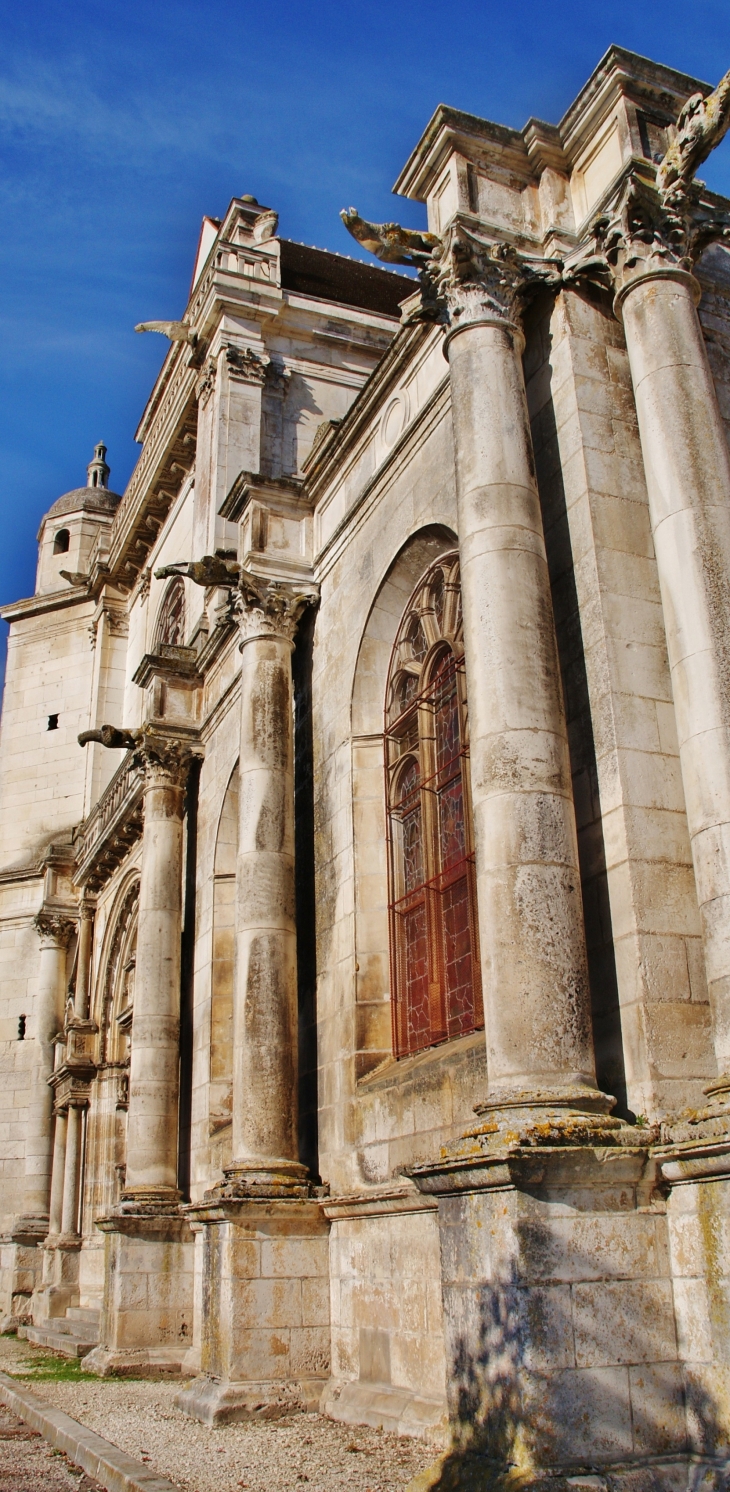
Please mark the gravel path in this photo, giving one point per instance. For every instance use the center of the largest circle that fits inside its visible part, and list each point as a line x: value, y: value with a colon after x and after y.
x: 27, y: 1463
x: 278, y: 1456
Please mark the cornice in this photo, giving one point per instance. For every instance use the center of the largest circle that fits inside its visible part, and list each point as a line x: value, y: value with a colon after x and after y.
x: 40, y: 605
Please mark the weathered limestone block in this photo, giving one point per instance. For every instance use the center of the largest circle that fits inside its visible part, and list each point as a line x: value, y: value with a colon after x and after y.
x: 265, y: 1327
x: 558, y: 1307
x: 147, y: 1313
x: 388, y: 1363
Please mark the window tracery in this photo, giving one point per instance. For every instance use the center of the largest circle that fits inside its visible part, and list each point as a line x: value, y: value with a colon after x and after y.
x: 170, y: 627
x: 433, y: 929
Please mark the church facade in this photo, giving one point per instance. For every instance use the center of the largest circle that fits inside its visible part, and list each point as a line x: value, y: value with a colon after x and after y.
x: 365, y: 824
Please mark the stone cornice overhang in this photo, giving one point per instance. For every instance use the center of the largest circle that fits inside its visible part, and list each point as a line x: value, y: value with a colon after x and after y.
x: 33, y: 606
x: 336, y: 447
x: 661, y: 89
x: 451, y: 130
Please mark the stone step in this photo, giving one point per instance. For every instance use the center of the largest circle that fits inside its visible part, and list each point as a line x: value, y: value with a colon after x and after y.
x: 58, y: 1338
x: 83, y: 1313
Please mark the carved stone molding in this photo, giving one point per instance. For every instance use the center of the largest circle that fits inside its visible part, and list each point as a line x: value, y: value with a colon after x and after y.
x: 205, y: 383
x: 245, y: 366
x: 270, y: 608
x: 54, y: 930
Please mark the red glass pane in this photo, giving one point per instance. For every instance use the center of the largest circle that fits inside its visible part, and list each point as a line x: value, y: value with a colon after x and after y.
x: 452, y: 831
x: 415, y: 961
x: 459, y: 987
x: 448, y: 742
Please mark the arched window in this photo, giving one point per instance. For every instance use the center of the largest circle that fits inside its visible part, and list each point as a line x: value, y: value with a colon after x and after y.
x: 433, y: 929
x: 170, y: 627
x: 61, y: 541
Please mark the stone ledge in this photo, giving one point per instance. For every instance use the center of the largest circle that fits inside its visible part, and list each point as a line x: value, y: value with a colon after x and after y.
x: 384, y: 1407
x: 100, y: 1459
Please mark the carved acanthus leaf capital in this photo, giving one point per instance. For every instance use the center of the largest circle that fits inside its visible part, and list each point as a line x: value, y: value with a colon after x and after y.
x: 54, y: 930
x: 164, y: 760
x: 645, y: 231
x: 481, y: 278
x: 270, y: 608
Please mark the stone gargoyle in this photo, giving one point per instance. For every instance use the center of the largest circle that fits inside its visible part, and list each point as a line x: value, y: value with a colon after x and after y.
x: 110, y: 736
x: 212, y: 569
x: 390, y: 242
x: 701, y: 125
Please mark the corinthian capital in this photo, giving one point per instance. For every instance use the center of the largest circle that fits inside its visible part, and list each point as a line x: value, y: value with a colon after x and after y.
x: 271, y: 608
x: 54, y: 930
x: 482, y: 278
x: 164, y: 760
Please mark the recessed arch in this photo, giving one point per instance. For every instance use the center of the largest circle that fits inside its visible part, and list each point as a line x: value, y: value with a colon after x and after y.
x: 373, y: 1032
x: 170, y: 624
x: 434, y: 951
x: 61, y: 541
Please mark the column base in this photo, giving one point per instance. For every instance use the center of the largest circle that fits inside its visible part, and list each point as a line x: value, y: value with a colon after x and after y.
x: 257, y: 1179
x: 146, y: 1324
x: 265, y: 1334
x: 215, y: 1402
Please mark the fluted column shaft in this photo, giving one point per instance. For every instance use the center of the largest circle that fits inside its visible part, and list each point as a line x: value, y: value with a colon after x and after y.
x: 57, y: 1176
x: 531, y: 930
x: 69, y: 1206
x: 687, y: 468
x: 155, y: 1057
x: 55, y: 933
x: 265, y: 1037
x: 83, y: 962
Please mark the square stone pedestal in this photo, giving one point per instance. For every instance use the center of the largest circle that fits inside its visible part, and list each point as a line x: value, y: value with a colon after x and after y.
x: 20, y: 1271
x: 265, y: 1329
x: 147, y: 1313
x: 59, y: 1287
x: 699, y: 1239
x: 559, y: 1320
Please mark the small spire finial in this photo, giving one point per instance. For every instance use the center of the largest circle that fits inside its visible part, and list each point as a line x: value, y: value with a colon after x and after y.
x: 97, y: 469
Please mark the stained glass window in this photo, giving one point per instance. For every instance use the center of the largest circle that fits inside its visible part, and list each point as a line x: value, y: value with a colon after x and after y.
x: 434, y: 944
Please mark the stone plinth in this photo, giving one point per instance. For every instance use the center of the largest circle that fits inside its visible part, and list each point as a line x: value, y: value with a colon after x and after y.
x: 697, y: 1168
x: 20, y: 1272
x: 265, y: 1328
x: 147, y: 1313
x: 59, y: 1288
x: 559, y: 1317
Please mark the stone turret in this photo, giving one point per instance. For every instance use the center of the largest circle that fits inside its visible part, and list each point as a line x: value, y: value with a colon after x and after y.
x: 68, y: 531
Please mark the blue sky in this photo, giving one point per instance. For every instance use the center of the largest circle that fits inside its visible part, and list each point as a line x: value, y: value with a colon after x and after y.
x: 120, y: 125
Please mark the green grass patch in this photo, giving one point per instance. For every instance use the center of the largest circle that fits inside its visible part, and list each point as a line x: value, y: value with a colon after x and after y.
x: 46, y: 1367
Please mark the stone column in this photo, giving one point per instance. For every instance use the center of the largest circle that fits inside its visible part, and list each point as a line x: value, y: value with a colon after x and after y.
x: 57, y: 1178
x: 69, y: 1205
x: 687, y: 468
x: 532, y: 940
x: 83, y: 962
x: 151, y: 1177
x: 264, y: 1127
x: 55, y: 933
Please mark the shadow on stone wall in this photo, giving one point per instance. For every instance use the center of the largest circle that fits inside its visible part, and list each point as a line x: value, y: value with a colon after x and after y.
x: 605, y: 1006
x: 523, y: 1417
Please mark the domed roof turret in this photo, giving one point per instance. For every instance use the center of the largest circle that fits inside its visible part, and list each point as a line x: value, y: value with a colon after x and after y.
x: 95, y: 497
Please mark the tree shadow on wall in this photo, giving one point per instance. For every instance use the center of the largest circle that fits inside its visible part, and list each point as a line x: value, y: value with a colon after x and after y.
x: 514, y: 1429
